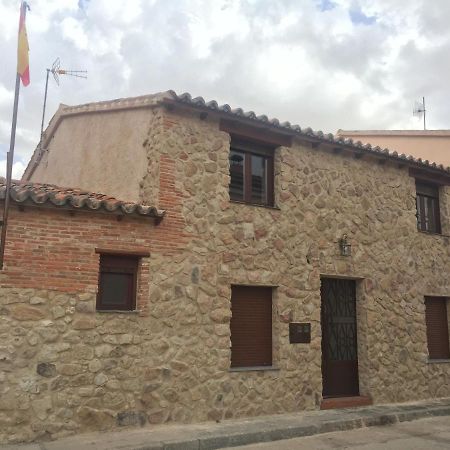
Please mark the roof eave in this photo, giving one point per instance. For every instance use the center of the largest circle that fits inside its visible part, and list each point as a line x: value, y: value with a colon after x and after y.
x: 316, y: 139
x: 158, y: 215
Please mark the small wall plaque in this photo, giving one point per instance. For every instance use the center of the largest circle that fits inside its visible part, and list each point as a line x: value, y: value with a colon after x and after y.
x: 299, y: 333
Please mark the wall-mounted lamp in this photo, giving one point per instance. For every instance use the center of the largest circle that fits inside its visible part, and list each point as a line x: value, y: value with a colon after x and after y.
x: 344, y: 246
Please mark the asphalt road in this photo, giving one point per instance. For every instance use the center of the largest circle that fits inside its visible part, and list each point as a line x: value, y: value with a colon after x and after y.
x: 425, y: 434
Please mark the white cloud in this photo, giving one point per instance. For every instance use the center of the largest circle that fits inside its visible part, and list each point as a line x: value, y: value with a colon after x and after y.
x: 6, y: 96
x: 17, y: 171
x: 73, y: 32
x: 287, y: 59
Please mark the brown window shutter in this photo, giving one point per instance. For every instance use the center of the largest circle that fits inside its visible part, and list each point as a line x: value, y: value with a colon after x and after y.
x: 437, y: 327
x: 427, y: 203
x: 251, y: 326
x: 117, y: 282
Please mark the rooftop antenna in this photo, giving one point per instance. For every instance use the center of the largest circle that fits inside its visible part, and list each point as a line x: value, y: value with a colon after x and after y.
x: 56, y: 71
x: 419, y: 111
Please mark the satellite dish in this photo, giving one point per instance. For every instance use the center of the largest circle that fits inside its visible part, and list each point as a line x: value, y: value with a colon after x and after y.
x: 419, y: 110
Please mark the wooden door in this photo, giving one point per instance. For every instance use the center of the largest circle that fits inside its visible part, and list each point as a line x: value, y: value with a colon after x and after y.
x: 339, y: 345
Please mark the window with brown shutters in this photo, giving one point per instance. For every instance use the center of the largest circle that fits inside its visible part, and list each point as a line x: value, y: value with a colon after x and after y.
x: 437, y: 327
x: 251, y: 326
x: 117, y: 283
x: 251, y: 173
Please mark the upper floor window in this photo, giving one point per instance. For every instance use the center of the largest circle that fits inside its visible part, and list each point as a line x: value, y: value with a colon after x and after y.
x: 251, y: 173
x: 427, y: 204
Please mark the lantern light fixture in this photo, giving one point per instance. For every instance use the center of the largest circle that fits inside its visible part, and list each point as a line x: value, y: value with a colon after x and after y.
x: 344, y: 246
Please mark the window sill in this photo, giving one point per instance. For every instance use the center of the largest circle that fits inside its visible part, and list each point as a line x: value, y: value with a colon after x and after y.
x: 438, y: 361
x: 254, y: 368
x: 117, y: 311
x: 258, y: 205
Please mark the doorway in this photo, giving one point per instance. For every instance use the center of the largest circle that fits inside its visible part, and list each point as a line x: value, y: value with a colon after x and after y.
x: 339, y: 340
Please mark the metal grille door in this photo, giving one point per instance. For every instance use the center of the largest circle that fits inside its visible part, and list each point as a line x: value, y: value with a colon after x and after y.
x: 339, y: 344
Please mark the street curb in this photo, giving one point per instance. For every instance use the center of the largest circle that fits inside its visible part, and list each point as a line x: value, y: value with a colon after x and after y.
x: 218, y: 440
x: 239, y: 432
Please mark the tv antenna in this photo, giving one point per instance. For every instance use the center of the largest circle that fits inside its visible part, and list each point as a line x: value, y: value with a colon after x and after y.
x: 56, y: 71
x: 419, y: 111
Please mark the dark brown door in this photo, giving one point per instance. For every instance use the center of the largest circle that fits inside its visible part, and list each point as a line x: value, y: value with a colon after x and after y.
x: 339, y: 347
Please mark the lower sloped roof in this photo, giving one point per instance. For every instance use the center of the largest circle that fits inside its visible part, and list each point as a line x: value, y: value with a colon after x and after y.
x: 50, y: 195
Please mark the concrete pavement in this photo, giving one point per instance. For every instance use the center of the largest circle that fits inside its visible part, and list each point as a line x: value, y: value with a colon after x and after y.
x: 233, y: 433
x: 423, y: 434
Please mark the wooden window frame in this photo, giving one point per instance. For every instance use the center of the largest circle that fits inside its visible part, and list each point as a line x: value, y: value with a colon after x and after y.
x: 425, y: 191
x: 438, y: 345
x: 267, y: 152
x: 123, y: 264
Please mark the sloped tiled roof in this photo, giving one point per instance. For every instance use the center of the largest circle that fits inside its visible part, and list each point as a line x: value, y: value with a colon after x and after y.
x: 318, y: 136
x: 73, y: 198
x: 153, y: 100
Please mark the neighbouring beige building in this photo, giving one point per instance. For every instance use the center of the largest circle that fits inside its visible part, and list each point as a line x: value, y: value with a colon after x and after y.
x: 257, y: 268
x: 431, y: 145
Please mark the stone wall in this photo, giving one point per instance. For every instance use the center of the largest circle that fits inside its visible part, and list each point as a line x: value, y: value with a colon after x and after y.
x: 66, y: 368
x: 319, y: 197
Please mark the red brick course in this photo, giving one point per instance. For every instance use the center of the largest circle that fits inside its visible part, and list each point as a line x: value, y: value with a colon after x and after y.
x: 171, y: 236
x: 52, y: 249
x: 55, y: 249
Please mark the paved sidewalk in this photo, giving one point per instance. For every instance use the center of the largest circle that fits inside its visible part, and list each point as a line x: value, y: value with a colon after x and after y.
x: 423, y: 434
x: 232, y: 433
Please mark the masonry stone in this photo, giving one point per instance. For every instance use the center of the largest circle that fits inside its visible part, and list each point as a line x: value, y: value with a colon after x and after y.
x: 24, y: 312
x: 47, y: 370
x: 131, y: 418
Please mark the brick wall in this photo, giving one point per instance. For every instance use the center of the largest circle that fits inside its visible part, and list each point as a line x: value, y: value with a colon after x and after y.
x: 55, y: 249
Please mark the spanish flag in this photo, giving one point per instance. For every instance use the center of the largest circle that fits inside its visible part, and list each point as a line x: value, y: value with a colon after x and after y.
x: 23, y: 66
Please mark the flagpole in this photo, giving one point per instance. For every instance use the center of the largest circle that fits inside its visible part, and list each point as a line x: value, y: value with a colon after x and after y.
x: 9, y: 160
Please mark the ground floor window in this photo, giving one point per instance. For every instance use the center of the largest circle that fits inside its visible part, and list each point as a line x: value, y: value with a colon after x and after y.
x: 117, y: 283
x: 251, y: 326
x: 437, y: 327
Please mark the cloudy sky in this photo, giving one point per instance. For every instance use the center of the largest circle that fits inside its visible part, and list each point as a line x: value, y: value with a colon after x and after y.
x: 328, y: 64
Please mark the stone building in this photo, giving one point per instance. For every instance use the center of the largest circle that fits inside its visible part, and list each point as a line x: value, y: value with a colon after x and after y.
x: 275, y: 270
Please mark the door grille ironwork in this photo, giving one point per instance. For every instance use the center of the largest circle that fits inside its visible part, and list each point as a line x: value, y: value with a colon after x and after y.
x: 339, y: 312
x: 339, y: 337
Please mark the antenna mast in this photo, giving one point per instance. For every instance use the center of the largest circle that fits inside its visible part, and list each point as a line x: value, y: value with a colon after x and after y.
x: 419, y: 111
x: 56, y: 71
x: 424, y: 113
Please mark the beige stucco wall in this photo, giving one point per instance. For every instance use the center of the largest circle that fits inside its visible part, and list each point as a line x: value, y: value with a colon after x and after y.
x: 431, y: 145
x: 174, y: 364
x: 102, y: 152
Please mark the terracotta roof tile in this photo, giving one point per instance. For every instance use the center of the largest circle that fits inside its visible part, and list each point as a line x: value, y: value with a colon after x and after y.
x: 147, y: 101
x: 319, y: 136
x: 73, y: 198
